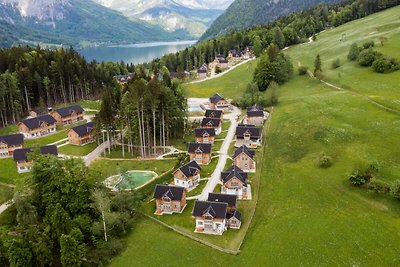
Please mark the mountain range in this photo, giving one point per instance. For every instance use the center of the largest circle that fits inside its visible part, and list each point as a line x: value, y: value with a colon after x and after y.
x: 192, y: 16
x: 242, y: 14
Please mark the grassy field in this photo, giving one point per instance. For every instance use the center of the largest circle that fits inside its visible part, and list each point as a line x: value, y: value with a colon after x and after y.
x: 8, y: 173
x: 86, y: 104
x: 73, y: 150
x: 232, y: 85
x: 336, y: 43
x: 49, y: 139
x: 308, y: 216
x: 6, y: 193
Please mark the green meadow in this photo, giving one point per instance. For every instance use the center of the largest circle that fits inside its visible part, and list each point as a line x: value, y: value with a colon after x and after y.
x: 306, y: 215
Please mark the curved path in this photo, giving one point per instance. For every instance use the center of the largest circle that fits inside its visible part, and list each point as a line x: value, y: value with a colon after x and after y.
x: 223, y: 73
x: 223, y: 155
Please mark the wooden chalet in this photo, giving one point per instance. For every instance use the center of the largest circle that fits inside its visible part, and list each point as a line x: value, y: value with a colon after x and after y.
x: 9, y: 143
x: 216, y: 124
x: 202, y: 71
x: 37, y: 126
x: 210, y: 217
x: 82, y: 134
x: 248, y: 135
x: 255, y: 115
x: 68, y: 115
x: 200, y: 152
x: 218, y: 102
x: 205, y: 135
x: 188, y: 175
x: 235, y: 55
x: 24, y: 164
x: 214, y: 114
x: 244, y: 159
x: 235, y: 183
x: 169, y: 199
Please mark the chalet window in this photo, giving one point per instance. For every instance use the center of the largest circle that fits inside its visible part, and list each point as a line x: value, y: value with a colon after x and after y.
x: 234, y: 184
x: 208, y: 217
x: 200, y: 223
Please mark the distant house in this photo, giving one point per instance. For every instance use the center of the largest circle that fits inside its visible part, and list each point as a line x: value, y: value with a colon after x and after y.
x: 200, y: 152
x: 205, y: 135
x: 244, y: 159
x: 248, y: 135
x: 218, y: 102
x: 222, y: 63
x: 212, y: 123
x: 169, y: 199
x: 38, y: 126
x: 202, y: 71
x: 123, y: 79
x: 21, y: 156
x: 9, y: 143
x: 247, y: 53
x: 188, y: 175
x: 214, y: 114
x: 82, y: 134
x: 231, y: 200
x: 68, y: 115
x: 255, y: 115
x: 210, y: 217
x: 235, y: 183
x: 235, y: 55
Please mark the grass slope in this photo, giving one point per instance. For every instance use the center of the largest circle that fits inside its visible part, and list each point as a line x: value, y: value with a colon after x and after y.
x: 307, y: 216
x: 231, y: 85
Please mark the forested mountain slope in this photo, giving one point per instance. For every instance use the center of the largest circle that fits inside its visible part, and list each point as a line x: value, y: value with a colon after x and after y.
x: 246, y: 13
x: 70, y: 22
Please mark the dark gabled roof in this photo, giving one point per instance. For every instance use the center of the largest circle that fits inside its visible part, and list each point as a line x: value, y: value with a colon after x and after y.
x: 36, y: 122
x: 255, y: 133
x: 173, y: 192
x: 216, y: 98
x: 190, y: 169
x: 205, y: 148
x: 246, y: 125
x: 234, y: 171
x: 12, y: 139
x: 244, y: 149
x: 235, y: 214
x: 223, y: 198
x: 210, y: 122
x: 203, y: 68
x: 64, y: 112
x: 215, y: 209
x: 201, y: 71
x: 222, y: 60
x: 83, y: 129
x: 255, y: 107
x: 219, y: 56
x: 21, y: 154
x: 255, y: 113
x: 199, y: 132
x: 212, y: 113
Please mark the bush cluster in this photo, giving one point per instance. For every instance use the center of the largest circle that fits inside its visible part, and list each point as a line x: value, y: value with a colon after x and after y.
x: 303, y: 70
x: 367, y: 57
x: 324, y: 161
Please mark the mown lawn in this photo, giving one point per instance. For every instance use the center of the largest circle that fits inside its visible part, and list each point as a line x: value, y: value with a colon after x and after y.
x: 10, y: 129
x: 108, y: 167
x: 6, y: 193
x: 86, y: 104
x: 46, y: 140
x: 73, y: 150
x: 8, y: 173
x: 231, y: 85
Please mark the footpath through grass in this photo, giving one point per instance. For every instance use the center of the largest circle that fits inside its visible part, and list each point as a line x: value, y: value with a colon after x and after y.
x: 231, y: 85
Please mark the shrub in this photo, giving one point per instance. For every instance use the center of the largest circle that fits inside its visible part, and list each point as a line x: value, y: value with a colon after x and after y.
x: 367, y: 57
x: 303, y: 70
x: 368, y: 44
x: 354, y: 52
x: 336, y: 63
x: 378, y: 185
x: 385, y: 65
x: 395, y: 189
x: 217, y: 70
x: 357, y: 178
x: 324, y: 161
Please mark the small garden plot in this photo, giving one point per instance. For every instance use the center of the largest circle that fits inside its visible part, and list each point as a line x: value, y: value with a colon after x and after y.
x: 129, y: 180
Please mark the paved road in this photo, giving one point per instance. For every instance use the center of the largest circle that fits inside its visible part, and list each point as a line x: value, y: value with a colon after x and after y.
x: 216, y: 175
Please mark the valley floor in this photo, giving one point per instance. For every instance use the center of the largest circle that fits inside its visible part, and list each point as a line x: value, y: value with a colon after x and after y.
x: 308, y: 216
